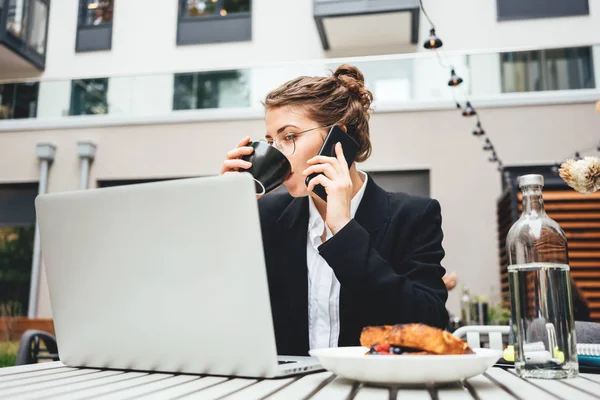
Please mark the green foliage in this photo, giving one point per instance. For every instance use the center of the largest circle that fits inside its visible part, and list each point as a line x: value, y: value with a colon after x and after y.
x: 8, y: 354
x: 16, y: 249
x: 9, y: 312
x: 498, y: 314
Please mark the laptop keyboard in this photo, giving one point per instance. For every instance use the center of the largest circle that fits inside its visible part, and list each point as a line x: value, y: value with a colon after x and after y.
x: 281, y: 362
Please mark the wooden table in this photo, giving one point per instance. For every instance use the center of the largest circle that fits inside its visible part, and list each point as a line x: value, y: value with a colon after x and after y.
x: 54, y: 380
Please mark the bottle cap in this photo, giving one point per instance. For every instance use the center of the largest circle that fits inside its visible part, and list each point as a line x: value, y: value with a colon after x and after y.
x: 533, y: 179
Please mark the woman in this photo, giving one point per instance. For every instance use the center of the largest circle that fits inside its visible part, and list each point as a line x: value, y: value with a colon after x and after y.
x: 364, y: 257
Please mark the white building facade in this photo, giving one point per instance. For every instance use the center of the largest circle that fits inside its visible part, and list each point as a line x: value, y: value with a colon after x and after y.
x: 152, y: 83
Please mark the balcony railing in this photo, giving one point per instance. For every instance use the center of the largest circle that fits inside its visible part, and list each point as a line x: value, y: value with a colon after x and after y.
x: 407, y: 81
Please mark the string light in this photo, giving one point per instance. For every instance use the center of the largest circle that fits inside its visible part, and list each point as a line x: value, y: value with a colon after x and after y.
x: 432, y: 42
x: 469, y: 111
x: 478, y: 131
x: 223, y: 12
x: 455, y: 80
x: 488, y: 146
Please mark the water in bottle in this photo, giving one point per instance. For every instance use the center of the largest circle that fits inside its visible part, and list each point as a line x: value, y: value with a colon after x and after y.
x: 540, y: 290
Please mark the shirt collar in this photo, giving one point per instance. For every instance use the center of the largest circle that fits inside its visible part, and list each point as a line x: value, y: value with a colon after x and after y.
x: 315, y: 222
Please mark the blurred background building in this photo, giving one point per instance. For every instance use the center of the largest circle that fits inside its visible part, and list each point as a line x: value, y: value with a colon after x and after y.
x: 112, y: 92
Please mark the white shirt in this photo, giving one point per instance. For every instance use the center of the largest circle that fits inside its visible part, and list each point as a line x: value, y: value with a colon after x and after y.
x: 323, y: 286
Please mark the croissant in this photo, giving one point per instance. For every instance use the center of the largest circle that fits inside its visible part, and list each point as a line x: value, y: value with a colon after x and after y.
x: 416, y: 336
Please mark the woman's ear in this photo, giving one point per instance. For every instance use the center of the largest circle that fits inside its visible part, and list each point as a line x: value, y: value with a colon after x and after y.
x: 344, y: 128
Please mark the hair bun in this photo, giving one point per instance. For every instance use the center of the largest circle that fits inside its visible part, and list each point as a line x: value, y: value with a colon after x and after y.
x: 352, y: 79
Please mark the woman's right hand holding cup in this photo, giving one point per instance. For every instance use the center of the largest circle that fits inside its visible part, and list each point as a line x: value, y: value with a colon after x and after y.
x: 233, y: 162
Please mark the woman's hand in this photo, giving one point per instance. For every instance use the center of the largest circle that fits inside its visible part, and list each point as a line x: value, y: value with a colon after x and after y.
x: 449, y: 281
x: 232, y: 162
x: 337, y: 184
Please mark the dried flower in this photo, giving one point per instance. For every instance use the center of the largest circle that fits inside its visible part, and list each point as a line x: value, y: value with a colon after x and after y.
x: 582, y: 175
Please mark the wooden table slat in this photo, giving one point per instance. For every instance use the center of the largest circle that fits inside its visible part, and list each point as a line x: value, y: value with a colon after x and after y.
x: 518, y: 386
x: 71, y: 390
x: 485, y: 389
x: 261, y: 389
x: 302, y: 387
x: 417, y: 394
x: 339, y: 388
x: 45, y: 391
x: 186, y: 388
x: 567, y: 388
x: 373, y: 393
x: 580, y: 384
x: 40, y: 386
x: 452, y: 392
x: 35, y: 380
x: 223, y: 389
x: 29, y: 374
x: 591, y: 377
x: 116, y: 386
x: 559, y: 388
x: 30, y: 367
x: 150, y: 387
x: 54, y: 380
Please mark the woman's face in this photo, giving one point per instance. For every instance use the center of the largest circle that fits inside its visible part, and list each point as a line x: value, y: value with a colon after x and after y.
x: 282, y: 120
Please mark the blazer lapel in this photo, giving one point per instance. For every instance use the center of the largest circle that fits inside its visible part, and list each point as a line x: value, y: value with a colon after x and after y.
x: 373, y: 211
x: 373, y: 215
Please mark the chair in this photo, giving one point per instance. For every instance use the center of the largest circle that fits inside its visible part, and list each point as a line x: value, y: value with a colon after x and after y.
x: 30, y: 349
x: 496, y: 335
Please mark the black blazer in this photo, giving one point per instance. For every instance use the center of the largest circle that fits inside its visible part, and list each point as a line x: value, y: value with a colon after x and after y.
x: 387, y: 260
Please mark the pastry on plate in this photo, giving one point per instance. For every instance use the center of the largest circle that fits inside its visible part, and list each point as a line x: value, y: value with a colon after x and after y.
x: 412, y: 338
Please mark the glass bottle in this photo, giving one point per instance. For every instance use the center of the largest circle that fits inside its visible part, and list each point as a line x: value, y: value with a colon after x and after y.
x: 466, y: 307
x: 540, y: 290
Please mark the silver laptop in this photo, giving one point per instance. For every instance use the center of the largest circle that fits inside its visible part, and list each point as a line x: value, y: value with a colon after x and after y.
x: 166, y: 276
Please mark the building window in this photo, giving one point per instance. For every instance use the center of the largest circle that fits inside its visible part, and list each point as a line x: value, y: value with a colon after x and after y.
x: 16, y: 22
x: 214, y: 21
x: 196, y: 8
x: 39, y: 20
x: 89, y: 96
x: 557, y: 69
x: 508, y: 10
x: 95, y: 12
x: 17, y: 230
x: 94, y: 28
x: 18, y: 100
x: 219, y: 89
x: 26, y: 28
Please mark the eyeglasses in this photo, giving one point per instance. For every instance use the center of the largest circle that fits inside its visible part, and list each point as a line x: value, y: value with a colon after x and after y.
x: 286, y: 141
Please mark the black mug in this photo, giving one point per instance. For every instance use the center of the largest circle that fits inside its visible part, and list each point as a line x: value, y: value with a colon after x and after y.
x: 270, y: 167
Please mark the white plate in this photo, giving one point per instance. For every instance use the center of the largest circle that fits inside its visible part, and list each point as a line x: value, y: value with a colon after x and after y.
x: 353, y: 363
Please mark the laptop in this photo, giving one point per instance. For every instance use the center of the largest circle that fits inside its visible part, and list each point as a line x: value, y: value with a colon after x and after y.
x: 166, y: 276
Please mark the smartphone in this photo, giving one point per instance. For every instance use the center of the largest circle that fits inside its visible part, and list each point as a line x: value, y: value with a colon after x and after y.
x: 349, y: 147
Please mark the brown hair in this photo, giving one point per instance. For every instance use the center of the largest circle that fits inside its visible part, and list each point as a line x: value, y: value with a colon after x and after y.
x: 340, y: 98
